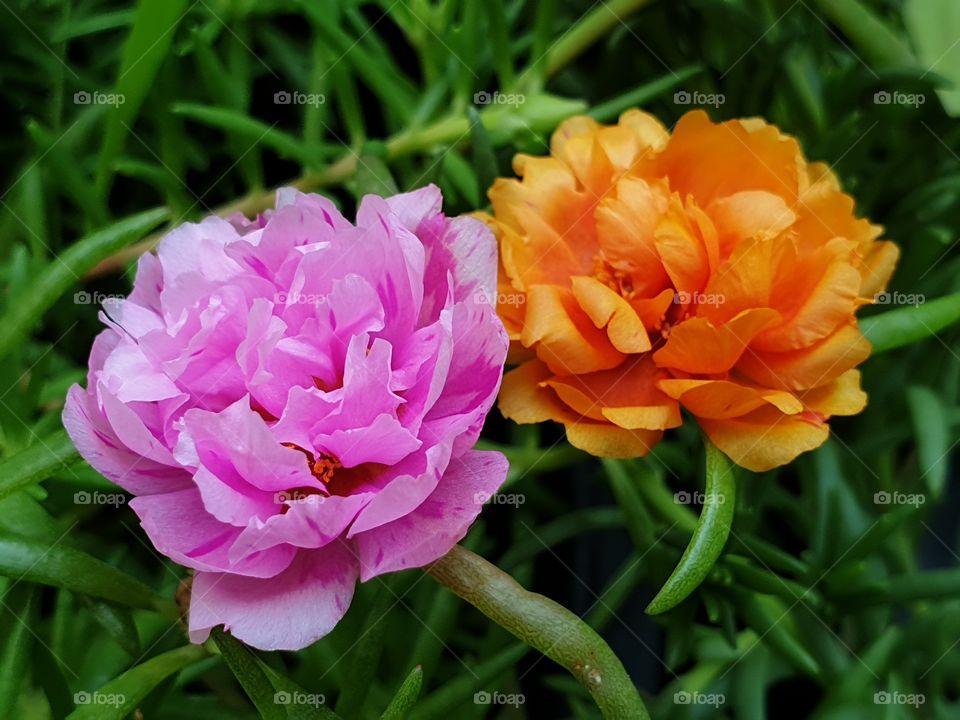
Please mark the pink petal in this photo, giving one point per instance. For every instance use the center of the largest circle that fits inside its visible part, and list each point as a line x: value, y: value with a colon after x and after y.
x: 439, y: 523
x: 286, y: 612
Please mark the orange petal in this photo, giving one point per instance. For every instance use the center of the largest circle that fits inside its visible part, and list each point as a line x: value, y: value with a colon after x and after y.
x: 626, y: 396
x: 721, y: 399
x: 711, y: 160
x: 807, y: 368
x: 653, y: 310
x: 751, y: 214
x: 698, y: 346
x: 681, y: 249
x: 812, y: 313
x: 877, y: 267
x: 766, y: 438
x: 626, y: 221
x: 525, y: 397
x: 576, y: 143
x: 608, y: 309
x: 843, y: 396
x: 604, y: 440
x: 562, y: 334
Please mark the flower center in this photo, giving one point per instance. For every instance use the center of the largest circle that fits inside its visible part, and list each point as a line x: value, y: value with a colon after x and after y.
x: 322, y: 468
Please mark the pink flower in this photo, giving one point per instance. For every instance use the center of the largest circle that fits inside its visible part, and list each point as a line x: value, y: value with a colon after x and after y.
x: 294, y: 402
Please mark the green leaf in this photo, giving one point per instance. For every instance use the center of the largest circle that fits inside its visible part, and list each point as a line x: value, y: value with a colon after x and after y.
x: 500, y: 42
x: 399, y: 708
x: 771, y: 620
x: 709, y: 536
x: 631, y: 502
x: 642, y: 95
x: 130, y: 688
x: 908, y: 325
x: 144, y: 51
x: 484, y: 159
x: 932, y: 431
x: 67, y: 269
x: 933, y: 27
x: 66, y: 567
x: 878, y: 44
x: 288, y: 690
x: 244, y: 666
x: 449, y: 697
x: 364, y: 656
x: 118, y: 623
x: 16, y: 617
x: 373, y: 177
x: 36, y: 463
x: 241, y: 125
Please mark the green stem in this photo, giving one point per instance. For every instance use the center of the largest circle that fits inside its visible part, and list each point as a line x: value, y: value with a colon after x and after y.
x: 546, y: 626
x: 597, y: 24
x: 538, y: 114
x: 709, y: 536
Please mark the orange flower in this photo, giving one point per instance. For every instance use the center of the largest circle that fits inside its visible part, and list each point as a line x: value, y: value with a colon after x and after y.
x: 713, y: 269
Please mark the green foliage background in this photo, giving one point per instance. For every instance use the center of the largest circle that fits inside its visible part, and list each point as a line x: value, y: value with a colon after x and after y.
x: 824, y: 595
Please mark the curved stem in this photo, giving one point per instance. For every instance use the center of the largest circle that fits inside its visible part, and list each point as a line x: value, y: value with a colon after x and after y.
x: 709, y: 536
x: 546, y: 626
